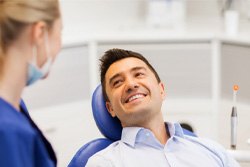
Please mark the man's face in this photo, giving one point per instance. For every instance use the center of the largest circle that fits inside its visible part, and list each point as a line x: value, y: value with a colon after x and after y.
x: 134, y: 94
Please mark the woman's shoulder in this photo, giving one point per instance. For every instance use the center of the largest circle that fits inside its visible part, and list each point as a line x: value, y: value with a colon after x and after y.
x: 13, y: 123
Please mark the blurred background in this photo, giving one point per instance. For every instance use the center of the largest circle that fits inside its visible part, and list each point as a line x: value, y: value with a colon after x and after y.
x: 200, y: 48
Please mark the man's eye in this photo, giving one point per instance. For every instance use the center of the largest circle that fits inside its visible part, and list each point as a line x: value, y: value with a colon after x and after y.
x: 116, y: 83
x: 139, y: 74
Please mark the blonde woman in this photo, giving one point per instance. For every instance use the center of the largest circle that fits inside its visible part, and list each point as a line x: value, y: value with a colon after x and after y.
x: 30, y: 38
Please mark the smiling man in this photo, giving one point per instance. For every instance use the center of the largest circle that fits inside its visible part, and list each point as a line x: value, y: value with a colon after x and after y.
x: 134, y: 93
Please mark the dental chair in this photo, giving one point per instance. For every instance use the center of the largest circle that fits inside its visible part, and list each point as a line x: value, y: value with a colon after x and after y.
x: 110, y: 128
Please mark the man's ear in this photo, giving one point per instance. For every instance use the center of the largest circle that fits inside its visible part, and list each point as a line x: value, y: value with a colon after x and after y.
x: 162, y: 90
x: 110, y: 109
x: 38, y: 32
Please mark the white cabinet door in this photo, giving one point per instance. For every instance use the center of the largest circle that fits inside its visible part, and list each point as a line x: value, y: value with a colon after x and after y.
x: 235, y: 69
x: 68, y: 80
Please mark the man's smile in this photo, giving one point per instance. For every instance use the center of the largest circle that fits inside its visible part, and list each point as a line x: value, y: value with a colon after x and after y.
x: 134, y: 97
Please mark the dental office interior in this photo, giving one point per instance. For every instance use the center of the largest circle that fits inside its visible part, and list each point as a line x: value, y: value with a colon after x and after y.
x: 201, y: 49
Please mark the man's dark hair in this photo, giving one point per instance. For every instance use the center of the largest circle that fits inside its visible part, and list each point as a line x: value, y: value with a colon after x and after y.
x: 113, y: 55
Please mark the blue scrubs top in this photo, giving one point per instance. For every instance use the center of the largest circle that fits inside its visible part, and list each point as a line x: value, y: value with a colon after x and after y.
x: 22, y: 144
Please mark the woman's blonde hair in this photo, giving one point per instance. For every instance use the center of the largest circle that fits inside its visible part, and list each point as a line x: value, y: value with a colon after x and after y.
x: 16, y: 14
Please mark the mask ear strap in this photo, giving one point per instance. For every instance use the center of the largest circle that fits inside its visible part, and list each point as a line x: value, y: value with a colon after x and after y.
x: 47, y: 46
x: 46, y: 67
x: 34, y: 56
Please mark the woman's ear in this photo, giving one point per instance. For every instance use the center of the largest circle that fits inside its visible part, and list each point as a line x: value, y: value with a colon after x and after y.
x: 38, y: 32
x: 110, y: 109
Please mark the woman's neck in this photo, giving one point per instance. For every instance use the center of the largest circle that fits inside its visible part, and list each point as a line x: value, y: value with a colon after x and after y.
x: 12, y: 79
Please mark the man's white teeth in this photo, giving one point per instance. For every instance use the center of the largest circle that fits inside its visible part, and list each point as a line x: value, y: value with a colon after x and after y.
x: 135, y: 97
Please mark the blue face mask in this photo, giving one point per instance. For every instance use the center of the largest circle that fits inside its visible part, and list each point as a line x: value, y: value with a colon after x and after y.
x: 34, y: 73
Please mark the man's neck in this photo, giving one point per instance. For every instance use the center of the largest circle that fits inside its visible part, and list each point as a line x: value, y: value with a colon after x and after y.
x: 160, y: 133
x: 159, y: 130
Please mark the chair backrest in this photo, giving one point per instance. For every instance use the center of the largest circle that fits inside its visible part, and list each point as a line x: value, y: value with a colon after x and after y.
x: 110, y: 128
x: 86, y: 151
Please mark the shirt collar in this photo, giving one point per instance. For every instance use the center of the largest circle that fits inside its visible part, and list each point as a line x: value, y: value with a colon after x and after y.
x: 175, y: 129
x: 130, y: 134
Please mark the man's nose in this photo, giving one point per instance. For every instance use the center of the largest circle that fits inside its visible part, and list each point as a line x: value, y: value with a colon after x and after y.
x: 131, y: 84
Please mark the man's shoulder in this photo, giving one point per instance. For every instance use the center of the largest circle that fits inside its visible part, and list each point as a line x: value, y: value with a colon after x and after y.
x: 109, y: 150
x: 214, y: 147
x: 206, y: 142
x: 107, y: 156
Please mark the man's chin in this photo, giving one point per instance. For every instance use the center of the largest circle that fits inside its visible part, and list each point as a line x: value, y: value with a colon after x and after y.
x: 137, y: 110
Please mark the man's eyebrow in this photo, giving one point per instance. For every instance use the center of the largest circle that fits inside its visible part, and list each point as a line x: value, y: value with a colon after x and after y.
x: 138, y: 68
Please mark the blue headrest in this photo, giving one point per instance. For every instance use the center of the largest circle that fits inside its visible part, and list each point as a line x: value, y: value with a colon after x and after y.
x: 110, y: 127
